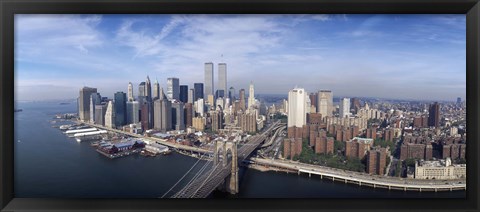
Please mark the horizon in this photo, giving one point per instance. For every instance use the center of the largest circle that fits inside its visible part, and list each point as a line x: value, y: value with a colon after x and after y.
x: 417, y: 57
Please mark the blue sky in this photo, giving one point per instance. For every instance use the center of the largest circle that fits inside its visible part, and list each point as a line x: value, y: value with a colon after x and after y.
x: 399, y: 56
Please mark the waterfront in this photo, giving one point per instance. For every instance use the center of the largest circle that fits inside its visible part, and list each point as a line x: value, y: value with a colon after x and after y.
x: 49, y: 164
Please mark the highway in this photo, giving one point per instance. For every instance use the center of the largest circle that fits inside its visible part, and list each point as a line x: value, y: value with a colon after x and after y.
x: 363, y: 178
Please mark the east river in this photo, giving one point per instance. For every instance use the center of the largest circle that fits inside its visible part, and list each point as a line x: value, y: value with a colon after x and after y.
x: 50, y: 164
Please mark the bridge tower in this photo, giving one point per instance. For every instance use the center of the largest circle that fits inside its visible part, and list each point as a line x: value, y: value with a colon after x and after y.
x: 226, y: 152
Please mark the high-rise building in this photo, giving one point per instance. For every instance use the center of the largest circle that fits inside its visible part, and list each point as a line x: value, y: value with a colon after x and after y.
x: 434, y: 115
x: 242, y: 99
x: 178, y: 119
x: 459, y: 100
x: 297, y: 114
x: 251, y: 96
x: 100, y: 111
x: 222, y: 79
x: 344, y: 107
x: 110, y: 115
x: 133, y: 112
x: 95, y: 99
x: 156, y: 90
x: 173, y: 88
x: 325, y: 103
x: 198, y: 91
x: 355, y: 105
x: 84, y: 103
x: 183, y: 93
x: 191, y: 94
x: 231, y: 94
x: 200, y: 107
x: 120, y: 108
x: 313, y: 99
x: 217, y: 120
x: 130, y: 92
x: 189, y: 114
x: 141, y: 90
x: 146, y: 113
x: 148, y: 89
x: 208, y: 79
x: 162, y: 115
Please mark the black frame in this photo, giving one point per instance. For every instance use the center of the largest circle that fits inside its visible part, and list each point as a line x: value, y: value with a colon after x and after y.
x: 10, y: 7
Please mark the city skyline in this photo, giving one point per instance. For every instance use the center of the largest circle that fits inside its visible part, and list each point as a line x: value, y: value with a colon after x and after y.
x: 421, y: 55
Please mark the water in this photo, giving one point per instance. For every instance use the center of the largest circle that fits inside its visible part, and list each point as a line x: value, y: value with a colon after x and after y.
x: 49, y: 164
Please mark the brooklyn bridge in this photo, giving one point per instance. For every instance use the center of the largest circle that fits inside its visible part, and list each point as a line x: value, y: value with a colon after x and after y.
x: 222, y: 170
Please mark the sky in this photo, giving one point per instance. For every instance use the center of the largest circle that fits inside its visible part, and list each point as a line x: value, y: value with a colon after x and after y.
x: 421, y: 57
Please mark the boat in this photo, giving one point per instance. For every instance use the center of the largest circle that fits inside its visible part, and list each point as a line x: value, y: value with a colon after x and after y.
x: 18, y: 110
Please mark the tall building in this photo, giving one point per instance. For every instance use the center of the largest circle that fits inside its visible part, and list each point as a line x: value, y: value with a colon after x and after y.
x: 178, y: 119
x: 162, y: 115
x: 130, y: 92
x: 156, y: 90
x: 217, y: 120
x: 120, y: 108
x: 242, y: 99
x: 200, y: 107
x: 434, y: 115
x: 183, y: 96
x: 148, y: 89
x: 95, y: 99
x: 344, y: 107
x: 141, y: 90
x: 188, y: 114
x: 251, y: 95
x: 191, y: 94
x: 208, y: 79
x: 222, y: 79
x: 459, y: 100
x: 313, y: 99
x: 110, y: 115
x: 84, y: 103
x: 100, y: 111
x: 231, y: 94
x: 133, y: 112
x: 325, y: 103
x: 297, y: 114
x: 173, y: 88
x: 198, y: 87
x: 146, y: 113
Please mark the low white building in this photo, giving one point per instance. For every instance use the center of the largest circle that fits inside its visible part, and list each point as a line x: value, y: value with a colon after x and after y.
x: 442, y: 169
x: 156, y: 148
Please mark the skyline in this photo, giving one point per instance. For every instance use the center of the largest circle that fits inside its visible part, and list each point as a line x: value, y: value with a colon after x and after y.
x: 117, y: 49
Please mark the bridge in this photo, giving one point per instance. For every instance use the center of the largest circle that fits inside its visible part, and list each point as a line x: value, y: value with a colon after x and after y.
x: 222, y: 171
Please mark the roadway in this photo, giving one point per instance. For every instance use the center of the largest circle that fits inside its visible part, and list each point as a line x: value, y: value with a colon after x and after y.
x: 364, y: 178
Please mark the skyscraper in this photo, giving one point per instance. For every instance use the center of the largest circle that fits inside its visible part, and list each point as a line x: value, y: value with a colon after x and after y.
x: 141, y: 90
x: 145, y: 115
x: 130, y: 92
x: 84, y: 103
x: 434, y: 115
x: 208, y: 79
x: 251, y: 96
x: 198, y: 91
x: 191, y: 94
x: 148, y: 89
x: 95, y: 99
x: 156, y: 90
x: 222, y: 79
x: 184, y: 93
x: 162, y: 115
x: 313, y: 100
x: 242, y: 99
x: 110, y: 115
x: 120, y: 108
x: 459, y: 100
x: 133, y: 112
x: 100, y: 111
x: 325, y: 103
x: 173, y: 88
x: 297, y: 114
x: 231, y: 94
x: 178, y: 119
x: 344, y: 107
